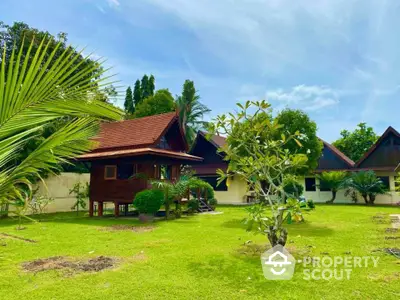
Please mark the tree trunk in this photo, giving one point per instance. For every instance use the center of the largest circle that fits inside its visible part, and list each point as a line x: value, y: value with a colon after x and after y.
x: 372, y: 198
x: 333, y: 197
x: 274, y: 239
x: 365, y: 197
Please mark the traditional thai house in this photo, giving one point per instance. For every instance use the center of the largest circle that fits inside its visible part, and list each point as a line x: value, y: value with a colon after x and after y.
x: 130, y: 154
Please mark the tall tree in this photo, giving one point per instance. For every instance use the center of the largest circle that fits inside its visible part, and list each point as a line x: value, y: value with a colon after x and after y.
x: 191, y: 110
x: 137, y: 93
x: 292, y: 121
x: 145, y: 87
x: 356, y: 143
x: 161, y: 102
x: 33, y: 95
x: 128, y: 104
x: 152, y: 85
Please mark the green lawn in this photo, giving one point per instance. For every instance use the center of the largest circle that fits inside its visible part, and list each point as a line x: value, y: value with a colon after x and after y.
x: 200, y: 256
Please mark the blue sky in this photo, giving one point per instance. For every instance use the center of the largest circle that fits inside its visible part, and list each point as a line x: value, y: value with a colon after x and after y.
x: 337, y: 60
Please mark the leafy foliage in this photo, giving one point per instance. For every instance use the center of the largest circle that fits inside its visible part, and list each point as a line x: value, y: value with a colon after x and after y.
x: 193, y: 205
x: 293, y: 120
x: 38, y: 203
x: 368, y: 185
x: 191, y: 111
x: 38, y: 88
x: 355, y: 144
x: 292, y: 187
x: 258, y: 156
x: 334, y: 180
x: 137, y: 93
x: 148, y: 201
x: 128, y: 104
x: 161, y: 102
x: 81, y: 193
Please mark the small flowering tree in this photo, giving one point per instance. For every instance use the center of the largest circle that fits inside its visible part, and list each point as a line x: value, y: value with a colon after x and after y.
x: 258, y: 157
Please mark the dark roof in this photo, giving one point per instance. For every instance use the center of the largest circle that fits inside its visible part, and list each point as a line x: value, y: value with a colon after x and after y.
x: 134, y: 133
x: 389, y: 130
x: 339, y: 153
x: 139, y: 151
x: 217, y: 140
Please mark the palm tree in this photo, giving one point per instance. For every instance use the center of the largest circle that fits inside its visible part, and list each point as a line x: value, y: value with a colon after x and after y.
x: 37, y: 89
x: 191, y: 111
x: 368, y: 185
x: 176, y: 190
x: 334, y: 180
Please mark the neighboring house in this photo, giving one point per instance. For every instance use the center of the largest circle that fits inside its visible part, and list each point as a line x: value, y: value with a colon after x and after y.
x: 383, y: 158
x: 231, y: 192
x: 132, y: 152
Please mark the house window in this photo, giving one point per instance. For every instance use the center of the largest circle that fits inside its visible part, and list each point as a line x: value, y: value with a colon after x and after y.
x: 310, y: 184
x: 323, y: 187
x: 110, y: 172
x: 212, y: 180
x: 126, y: 171
x: 385, y: 180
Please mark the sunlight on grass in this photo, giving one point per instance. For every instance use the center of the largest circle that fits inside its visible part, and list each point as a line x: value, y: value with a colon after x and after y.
x: 203, y: 256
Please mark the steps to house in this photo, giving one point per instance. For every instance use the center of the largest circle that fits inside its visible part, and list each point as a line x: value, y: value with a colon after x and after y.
x: 203, y: 206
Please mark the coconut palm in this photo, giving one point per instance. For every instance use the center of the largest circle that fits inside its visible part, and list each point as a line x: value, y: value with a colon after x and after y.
x: 335, y: 181
x: 191, y: 111
x: 37, y: 89
x: 368, y: 185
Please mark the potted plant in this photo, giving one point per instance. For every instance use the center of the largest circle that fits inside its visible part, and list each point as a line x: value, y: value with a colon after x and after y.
x: 148, y: 202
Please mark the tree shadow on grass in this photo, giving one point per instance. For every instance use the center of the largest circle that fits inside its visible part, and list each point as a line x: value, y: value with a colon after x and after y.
x: 234, y: 223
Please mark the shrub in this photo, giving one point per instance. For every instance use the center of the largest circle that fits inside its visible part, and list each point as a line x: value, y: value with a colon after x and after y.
x: 148, y: 201
x: 212, y: 203
x: 310, y: 204
x: 292, y: 187
x: 193, y: 205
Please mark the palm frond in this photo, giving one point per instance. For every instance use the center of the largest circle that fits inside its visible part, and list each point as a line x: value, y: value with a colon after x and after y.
x: 39, y: 89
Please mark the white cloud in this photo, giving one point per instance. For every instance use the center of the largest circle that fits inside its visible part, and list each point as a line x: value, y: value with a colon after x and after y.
x: 113, y: 3
x: 310, y: 98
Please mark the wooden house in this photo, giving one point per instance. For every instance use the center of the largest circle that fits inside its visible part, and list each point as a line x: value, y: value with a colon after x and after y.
x: 131, y: 153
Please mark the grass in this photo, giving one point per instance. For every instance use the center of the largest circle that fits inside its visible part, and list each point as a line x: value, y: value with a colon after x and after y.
x: 199, y: 256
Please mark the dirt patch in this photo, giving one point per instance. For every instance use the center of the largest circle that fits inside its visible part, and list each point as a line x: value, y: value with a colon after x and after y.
x: 252, y: 249
x: 127, y: 228
x: 62, y: 263
x: 17, y: 237
x: 380, y: 218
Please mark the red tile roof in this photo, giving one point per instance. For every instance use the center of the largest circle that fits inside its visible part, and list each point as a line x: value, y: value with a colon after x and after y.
x: 139, y: 151
x: 340, y: 154
x: 134, y: 133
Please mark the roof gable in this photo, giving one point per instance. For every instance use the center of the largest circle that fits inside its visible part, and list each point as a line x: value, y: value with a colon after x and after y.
x: 333, y: 159
x: 137, y: 133
x: 384, y: 153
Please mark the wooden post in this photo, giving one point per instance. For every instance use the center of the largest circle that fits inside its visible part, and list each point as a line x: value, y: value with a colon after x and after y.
x: 91, y: 204
x: 100, y: 213
x: 116, y: 209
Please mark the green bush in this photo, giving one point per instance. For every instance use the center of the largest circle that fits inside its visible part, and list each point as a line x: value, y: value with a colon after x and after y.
x: 148, y: 201
x: 212, y: 203
x: 310, y: 204
x: 193, y: 205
